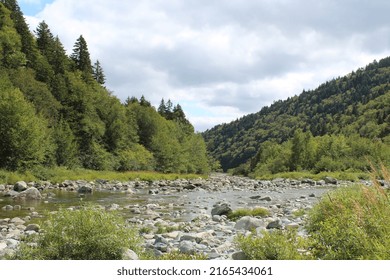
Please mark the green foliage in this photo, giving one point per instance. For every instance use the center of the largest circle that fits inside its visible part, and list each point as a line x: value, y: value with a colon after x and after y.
x: 255, y: 212
x: 81, y: 57
x: 275, y: 245
x: 329, y: 153
x: 351, y: 223
x: 85, y: 234
x: 11, y: 55
x: 24, y: 135
x: 135, y: 158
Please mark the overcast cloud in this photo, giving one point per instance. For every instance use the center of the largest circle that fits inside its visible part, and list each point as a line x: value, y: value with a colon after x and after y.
x: 222, y: 59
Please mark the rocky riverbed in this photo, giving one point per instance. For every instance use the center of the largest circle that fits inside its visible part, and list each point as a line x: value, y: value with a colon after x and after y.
x: 181, y: 215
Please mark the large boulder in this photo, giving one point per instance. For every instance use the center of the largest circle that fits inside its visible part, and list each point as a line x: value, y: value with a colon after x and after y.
x: 221, y: 209
x: 248, y: 223
x: 85, y: 189
x: 29, y: 194
x: 20, y: 186
x: 330, y: 180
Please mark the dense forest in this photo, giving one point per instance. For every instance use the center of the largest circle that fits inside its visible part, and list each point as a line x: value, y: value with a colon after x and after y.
x: 56, y: 111
x: 342, y: 125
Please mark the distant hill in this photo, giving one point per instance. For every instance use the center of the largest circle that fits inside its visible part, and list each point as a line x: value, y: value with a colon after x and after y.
x: 357, y: 104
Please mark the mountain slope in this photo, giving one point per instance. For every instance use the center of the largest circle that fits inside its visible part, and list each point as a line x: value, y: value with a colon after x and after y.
x: 358, y: 103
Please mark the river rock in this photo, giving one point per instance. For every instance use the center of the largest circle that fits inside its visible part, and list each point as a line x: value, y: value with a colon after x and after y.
x: 248, y: 223
x: 186, y: 247
x: 276, y: 224
x: 85, y: 189
x: 330, y: 180
x: 29, y: 194
x: 221, y: 209
x: 130, y: 255
x: 17, y: 221
x: 7, y: 208
x: 20, y: 186
x: 33, y: 227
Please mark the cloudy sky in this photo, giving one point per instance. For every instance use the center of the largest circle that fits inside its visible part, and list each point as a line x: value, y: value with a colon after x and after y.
x: 219, y: 59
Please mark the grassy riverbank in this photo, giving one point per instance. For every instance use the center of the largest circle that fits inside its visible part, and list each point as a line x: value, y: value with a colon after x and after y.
x: 57, y: 175
x: 342, y: 175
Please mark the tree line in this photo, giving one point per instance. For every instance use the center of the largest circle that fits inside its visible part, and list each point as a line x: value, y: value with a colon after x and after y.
x: 56, y: 111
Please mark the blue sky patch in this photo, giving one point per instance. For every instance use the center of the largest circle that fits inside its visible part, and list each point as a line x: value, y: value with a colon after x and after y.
x: 33, y: 7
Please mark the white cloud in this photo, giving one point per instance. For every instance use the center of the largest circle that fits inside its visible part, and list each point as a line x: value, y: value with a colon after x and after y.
x: 222, y: 59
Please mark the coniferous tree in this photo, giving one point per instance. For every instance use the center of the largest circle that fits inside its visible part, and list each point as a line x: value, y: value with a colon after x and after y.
x: 81, y: 56
x: 98, y: 73
x: 162, y: 108
x: 45, y: 40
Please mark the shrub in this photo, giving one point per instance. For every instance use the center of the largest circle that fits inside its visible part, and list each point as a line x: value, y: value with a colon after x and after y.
x: 273, y: 245
x: 351, y: 223
x: 86, y: 234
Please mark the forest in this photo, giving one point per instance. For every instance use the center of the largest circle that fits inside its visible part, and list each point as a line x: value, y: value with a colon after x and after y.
x: 343, y: 125
x: 55, y: 110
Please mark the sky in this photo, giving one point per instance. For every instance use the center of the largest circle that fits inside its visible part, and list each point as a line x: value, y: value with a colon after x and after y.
x: 219, y: 59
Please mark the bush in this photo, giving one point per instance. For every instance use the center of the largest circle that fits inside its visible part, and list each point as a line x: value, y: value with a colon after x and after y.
x: 351, y: 223
x: 86, y: 234
x: 275, y: 245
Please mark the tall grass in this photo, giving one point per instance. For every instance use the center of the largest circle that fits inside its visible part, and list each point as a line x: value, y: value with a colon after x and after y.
x: 353, y: 222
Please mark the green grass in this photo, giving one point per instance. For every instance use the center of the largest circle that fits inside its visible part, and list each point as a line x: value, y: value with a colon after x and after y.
x: 347, y: 176
x: 59, y: 174
x: 255, y: 212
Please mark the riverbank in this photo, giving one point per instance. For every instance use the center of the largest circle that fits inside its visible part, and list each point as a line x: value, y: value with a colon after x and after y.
x: 185, y: 215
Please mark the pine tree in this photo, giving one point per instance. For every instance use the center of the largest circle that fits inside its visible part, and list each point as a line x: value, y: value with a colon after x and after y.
x: 45, y: 40
x: 81, y: 56
x: 60, y: 60
x: 98, y: 73
x: 162, y: 108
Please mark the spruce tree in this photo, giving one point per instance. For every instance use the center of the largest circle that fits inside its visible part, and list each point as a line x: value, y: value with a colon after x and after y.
x: 98, y: 73
x: 81, y: 56
x: 45, y: 40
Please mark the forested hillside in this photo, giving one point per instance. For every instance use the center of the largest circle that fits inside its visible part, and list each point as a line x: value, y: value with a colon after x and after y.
x: 339, y: 126
x: 56, y: 111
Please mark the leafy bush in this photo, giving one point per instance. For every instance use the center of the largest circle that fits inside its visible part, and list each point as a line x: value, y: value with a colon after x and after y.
x: 273, y: 245
x: 136, y: 158
x: 86, y: 234
x: 351, y: 223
